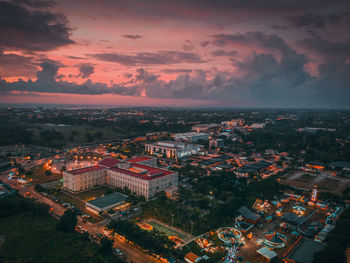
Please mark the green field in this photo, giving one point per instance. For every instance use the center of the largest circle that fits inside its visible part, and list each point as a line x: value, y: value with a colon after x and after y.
x: 29, y: 238
x: 305, y: 178
x: 80, y: 131
x: 39, y: 177
x: 166, y: 230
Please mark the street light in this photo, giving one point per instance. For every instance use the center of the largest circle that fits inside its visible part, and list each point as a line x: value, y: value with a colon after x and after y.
x: 172, y: 220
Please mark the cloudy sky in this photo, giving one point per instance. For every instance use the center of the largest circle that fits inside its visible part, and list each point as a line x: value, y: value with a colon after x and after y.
x: 234, y: 53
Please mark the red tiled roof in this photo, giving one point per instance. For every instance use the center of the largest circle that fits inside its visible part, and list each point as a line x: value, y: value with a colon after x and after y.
x: 86, y: 169
x: 109, y: 162
x: 144, y: 176
x: 152, y: 169
x: 139, y: 159
x: 192, y: 257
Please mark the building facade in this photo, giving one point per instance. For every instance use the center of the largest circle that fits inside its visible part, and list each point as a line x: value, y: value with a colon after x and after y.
x: 172, y: 149
x: 140, y: 175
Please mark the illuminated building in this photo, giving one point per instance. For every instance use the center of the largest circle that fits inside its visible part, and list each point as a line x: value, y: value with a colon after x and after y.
x: 314, y: 194
x: 140, y: 175
x: 172, y: 149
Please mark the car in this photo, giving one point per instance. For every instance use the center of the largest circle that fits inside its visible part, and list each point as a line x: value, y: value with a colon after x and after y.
x: 118, y: 252
x: 85, y: 216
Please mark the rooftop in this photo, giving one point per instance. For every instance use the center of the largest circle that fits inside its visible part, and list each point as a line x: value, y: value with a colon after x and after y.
x: 86, y: 169
x: 150, y: 174
x: 108, y: 200
x: 109, y: 162
x: 305, y: 251
x: 139, y: 159
x: 246, y: 213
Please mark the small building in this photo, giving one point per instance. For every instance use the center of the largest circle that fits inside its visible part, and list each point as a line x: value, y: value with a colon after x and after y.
x: 266, y: 254
x: 317, y: 165
x: 258, y: 125
x: 192, y: 258
x: 216, y: 143
x: 112, y: 201
x: 248, y: 215
x: 345, y: 166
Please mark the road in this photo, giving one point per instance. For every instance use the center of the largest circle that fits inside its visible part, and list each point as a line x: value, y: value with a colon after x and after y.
x: 132, y: 253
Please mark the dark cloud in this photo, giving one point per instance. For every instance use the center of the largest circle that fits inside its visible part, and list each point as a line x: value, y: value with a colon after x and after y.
x: 316, y: 21
x: 134, y: 37
x: 253, y: 39
x: 35, y: 3
x: 150, y: 58
x: 25, y: 27
x: 188, y: 46
x: 47, y: 83
x: 171, y: 71
x: 204, y: 43
x: 127, y: 75
x: 75, y: 57
x: 13, y: 65
x: 223, y: 53
x: 220, y: 13
x: 327, y: 49
x: 145, y: 77
x: 86, y: 70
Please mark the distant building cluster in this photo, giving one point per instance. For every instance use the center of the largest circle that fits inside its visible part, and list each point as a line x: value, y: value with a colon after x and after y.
x: 205, y: 128
x: 140, y: 175
x: 191, y: 136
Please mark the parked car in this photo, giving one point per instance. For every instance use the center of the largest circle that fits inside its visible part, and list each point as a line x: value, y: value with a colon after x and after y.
x: 118, y: 252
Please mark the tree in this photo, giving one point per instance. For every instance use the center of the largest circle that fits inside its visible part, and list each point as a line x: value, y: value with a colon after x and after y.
x: 106, y: 245
x: 85, y: 236
x: 68, y: 221
x: 48, y: 173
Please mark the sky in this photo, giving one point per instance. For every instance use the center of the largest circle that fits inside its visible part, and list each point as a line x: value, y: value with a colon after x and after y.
x: 229, y: 53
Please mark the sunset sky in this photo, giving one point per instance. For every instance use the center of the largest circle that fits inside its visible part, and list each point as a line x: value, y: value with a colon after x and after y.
x: 244, y: 53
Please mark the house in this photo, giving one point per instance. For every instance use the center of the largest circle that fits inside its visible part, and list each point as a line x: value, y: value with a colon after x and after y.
x: 248, y: 215
x: 192, y: 258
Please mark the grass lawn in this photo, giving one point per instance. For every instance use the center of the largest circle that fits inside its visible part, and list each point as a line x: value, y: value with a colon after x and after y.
x: 166, y: 230
x: 305, y: 178
x: 328, y: 184
x: 94, y: 193
x: 35, y: 239
x: 39, y: 176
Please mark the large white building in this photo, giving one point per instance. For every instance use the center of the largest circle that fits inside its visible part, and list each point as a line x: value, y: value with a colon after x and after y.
x: 172, y: 149
x: 140, y: 175
x: 191, y: 136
